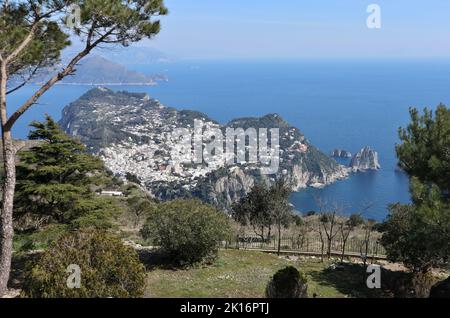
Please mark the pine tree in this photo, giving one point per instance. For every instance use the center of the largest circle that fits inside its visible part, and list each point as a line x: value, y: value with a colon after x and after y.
x: 54, y: 180
x: 419, y: 234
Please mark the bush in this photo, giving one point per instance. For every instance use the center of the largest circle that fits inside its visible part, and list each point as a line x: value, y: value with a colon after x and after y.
x: 287, y: 283
x: 422, y: 283
x: 355, y: 220
x: 187, y: 231
x: 416, y: 238
x: 40, y: 239
x: 108, y: 268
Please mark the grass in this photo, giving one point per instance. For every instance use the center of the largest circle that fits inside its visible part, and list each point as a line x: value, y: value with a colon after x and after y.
x: 244, y: 274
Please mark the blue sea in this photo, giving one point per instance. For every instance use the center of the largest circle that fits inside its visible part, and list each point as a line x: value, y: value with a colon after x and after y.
x: 336, y: 103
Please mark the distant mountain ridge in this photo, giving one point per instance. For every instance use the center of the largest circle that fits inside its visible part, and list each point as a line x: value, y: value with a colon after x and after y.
x: 131, y: 55
x: 96, y: 70
x: 131, y: 132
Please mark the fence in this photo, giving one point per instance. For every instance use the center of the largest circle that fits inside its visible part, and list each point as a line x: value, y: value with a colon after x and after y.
x: 354, y: 247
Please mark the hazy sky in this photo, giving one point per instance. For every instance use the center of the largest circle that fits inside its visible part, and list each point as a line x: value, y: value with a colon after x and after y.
x: 300, y: 28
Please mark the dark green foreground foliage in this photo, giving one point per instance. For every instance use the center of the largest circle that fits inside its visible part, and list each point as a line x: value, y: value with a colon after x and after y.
x: 55, y: 178
x: 108, y: 268
x: 287, y: 283
x: 264, y: 207
x: 187, y: 231
x: 419, y: 234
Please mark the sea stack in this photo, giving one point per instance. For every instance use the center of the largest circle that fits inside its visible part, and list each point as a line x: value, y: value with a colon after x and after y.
x: 366, y: 159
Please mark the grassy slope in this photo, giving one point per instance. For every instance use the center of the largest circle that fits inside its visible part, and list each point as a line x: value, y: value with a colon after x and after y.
x: 245, y: 274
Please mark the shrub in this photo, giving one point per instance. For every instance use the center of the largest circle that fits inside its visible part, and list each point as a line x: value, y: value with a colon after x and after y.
x: 287, y: 283
x: 39, y: 239
x: 187, y: 231
x: 355, y: 220
x: 108, y: 268
x: 422, y: 283
x: 132, y: 178
x: 416, y: 237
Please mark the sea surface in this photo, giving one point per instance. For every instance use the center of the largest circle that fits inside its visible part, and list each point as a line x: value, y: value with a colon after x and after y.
x: 336, y: 103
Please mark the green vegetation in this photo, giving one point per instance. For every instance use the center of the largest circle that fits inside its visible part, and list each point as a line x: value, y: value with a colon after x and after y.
x: 32, y: 38
x: 108, y: 268
x: 245, y: 274
x: 54, y: 181
x: 139, y: 207
x: 264, y: 207
x: 54, y: 192
x: 419, y: 234
x: 39, y: 239
x: 190, y: 233
x: 187, y: 231
x: 132, y: 178
x: 287, y: 283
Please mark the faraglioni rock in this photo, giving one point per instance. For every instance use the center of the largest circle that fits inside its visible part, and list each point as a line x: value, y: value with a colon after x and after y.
x: 133, y: 134
x: 339, y: 153
x: 366, y: 159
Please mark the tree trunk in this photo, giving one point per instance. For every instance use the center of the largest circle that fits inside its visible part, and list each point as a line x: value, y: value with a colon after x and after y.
x: 279, y: 239
x: 344, y: 243
x: 322, y: 244
x: 9, y: 183
x: 329, y: 248
x: 322, y: 247
x: 6, y: 219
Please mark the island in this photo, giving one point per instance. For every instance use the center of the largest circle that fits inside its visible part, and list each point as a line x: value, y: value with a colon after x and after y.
x: 131, y: 132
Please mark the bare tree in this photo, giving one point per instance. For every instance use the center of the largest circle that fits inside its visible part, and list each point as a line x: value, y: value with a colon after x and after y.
x: 301, y: 229
x: 347, y: 225
x: 281, y: 209
x: 345, y: 228
x: 328, y: 220
x: 368, y: 229
x: 318, y: 229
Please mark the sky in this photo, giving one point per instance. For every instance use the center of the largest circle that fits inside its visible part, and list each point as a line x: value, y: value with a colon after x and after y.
x: 217, y: 29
